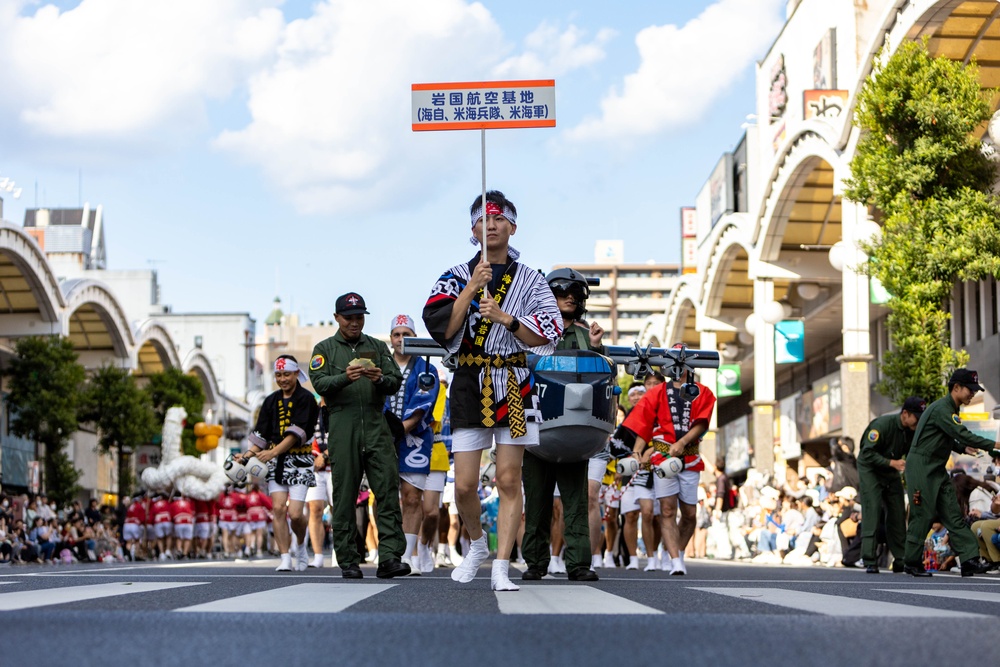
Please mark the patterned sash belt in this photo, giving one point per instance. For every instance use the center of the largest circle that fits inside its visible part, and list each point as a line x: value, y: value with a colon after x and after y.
x: 690, y: 450
x: 515, y: 406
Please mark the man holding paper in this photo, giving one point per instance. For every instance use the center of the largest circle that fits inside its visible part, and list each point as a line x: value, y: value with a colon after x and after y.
x: 355, y: 373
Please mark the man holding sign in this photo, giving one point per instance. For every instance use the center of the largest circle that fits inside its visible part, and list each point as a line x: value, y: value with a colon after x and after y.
x: 491, y: 312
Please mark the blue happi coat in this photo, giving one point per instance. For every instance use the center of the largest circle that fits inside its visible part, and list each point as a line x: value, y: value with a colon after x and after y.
x: 415, y: 449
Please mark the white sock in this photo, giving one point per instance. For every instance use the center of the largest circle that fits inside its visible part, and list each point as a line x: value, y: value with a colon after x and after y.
x: 442, y: 549
x: 499, y: 579
x: 411, y: 544
x: 478, y: 552
x: 680, y: 554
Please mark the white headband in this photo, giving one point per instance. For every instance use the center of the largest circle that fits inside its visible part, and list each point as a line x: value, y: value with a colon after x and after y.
x: 284, y: 364
x: 494, y: 209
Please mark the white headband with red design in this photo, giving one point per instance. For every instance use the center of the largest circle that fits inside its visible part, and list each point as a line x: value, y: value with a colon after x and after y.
x: 286, y: 365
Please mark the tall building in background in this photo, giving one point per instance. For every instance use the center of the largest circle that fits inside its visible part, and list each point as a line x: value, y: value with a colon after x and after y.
x: 628, y: 293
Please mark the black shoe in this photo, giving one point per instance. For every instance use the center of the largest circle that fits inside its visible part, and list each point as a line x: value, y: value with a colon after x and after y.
x: 583, y: 574
x: 977, y: 565
x: 897, y: 567
x: 872, y: 569
x: 916, y: 571
x: 531, y: 574
x: 352, y: 572
x: 392, y: 567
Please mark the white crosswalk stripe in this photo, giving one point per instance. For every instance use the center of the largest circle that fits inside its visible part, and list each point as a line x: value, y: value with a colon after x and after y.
x: 297, y: 599
x: 953, y: 593
x: 834, y: 605
x: 51, y: 596
x: 567, y: 600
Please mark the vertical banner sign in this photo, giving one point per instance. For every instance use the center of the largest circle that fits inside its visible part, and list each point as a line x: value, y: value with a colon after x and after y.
x: 689, y: 240
x: 789, y: 342
x: 483, y: 105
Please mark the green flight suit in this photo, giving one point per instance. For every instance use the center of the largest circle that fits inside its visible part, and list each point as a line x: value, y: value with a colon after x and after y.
x: 939, y: 433
x: 540, y: 479
x: 360, y: 442
x: 884, y: 440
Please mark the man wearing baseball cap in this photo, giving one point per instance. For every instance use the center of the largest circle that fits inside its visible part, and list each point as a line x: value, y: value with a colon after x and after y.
x: 355, y: 373
x: 939, y: 433
x: 884, y: 445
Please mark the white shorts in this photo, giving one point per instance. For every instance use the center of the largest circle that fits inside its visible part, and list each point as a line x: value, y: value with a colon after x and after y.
x: 631, y: 497
x: 435, y: 480
x: 163, y: 530
x: 261, y: 525
x: 203, y: 531
x: 150, y: 532
x: 297, y: 492
x: 417, y: 480
x: 243, y: 528
x: 185, y: 531
x: 448, y: 495
x: 684, y: 485
x: 231, y: 526
x: 596, y: 468
x: 477, y: 439
x: 133, y: 531
x: 322, y: 490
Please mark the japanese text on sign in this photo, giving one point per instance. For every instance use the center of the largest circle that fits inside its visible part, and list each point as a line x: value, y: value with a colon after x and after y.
x: 483, y: 105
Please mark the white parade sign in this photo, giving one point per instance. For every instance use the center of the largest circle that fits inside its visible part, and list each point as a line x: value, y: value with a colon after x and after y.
x: 484, y: 105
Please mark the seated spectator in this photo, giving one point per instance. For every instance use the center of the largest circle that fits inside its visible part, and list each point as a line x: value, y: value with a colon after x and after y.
x: 985, y: 526
x: 40, y: 536
x: 93, y: 513
x: 23, y: 550
x: 769, y: 528
x: 938, y: 555
x: 5, y: 545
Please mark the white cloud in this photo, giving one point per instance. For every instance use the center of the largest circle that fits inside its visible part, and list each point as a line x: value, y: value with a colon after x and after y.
x: 683, y: 70
x: 331, y: 118
x: 121, y: 69
x: 549, y: 53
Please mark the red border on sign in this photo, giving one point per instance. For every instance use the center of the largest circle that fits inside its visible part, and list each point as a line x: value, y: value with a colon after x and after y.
x: 484, y: 125
x: 533, y: 83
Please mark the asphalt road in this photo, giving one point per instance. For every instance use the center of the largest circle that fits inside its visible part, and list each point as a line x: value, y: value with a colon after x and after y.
x: 225, y: 613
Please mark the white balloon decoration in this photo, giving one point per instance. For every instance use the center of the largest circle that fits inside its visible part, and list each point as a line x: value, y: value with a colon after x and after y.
x: 188, y: 475
x: 752, y: 321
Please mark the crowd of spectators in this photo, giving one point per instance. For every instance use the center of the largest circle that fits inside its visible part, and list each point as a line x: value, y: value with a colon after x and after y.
x: 35, y: 530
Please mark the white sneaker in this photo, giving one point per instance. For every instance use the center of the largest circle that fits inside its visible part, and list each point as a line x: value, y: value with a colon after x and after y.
x: 285, y: 565
x: 478, y: 553
x: 609, y: 561
x: 317, y: 561
x: 595, y: 562
x: 499, y: 579
x: 633, y: 563
x: 677, y: 567
x: 652, y: 564
x: 557, y: 565
x: 372, y: 556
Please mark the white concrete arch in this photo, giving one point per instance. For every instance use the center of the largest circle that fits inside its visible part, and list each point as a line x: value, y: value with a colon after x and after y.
x: 152, y: 339
x: 683, y: 304
x: 652, y: 329
x: 95, y: 321
x: 804, y: 153
x: 197, y: 364
x: 24, y: 253
x: 727, y: 246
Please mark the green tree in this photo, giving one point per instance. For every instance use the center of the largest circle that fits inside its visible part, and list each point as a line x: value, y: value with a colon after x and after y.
x: 44, y: 380
x: 122, y: 413
x: 174, y: 387
x: 920, y: 163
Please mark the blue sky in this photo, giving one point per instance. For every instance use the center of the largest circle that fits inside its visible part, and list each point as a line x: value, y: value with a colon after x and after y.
x: 252, y: 148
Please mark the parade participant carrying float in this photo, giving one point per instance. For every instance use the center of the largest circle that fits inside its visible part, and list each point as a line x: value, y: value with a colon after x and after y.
x: 189, y: 476
x: 577, y: 391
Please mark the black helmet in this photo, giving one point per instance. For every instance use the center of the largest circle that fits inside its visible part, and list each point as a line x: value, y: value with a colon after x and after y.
x: 568, y: 281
